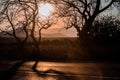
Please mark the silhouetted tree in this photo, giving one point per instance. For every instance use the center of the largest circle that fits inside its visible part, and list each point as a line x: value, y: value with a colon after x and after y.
x: 23, y: 15
x: 106, y: 27
x: 14, y: 21
x: 45, y: 24
x: 81, y: 14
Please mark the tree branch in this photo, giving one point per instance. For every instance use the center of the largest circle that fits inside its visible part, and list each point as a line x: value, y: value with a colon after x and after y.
x: 6, y: 32
x: 106, y: 6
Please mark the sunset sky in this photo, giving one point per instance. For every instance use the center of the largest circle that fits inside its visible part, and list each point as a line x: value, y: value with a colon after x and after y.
x: 59, y: 27
x: 45, y: 10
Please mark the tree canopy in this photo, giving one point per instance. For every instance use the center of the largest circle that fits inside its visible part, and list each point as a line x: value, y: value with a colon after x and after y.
x: 81, y: 14
x: 18, y: 16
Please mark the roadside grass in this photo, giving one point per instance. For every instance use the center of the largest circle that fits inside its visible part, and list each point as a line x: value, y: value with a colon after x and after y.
x: 64, y: 49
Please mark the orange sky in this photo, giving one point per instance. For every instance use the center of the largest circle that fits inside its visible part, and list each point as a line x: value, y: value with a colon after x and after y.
x: 59, y: 28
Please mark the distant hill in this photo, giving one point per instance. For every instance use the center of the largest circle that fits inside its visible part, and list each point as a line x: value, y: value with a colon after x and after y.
x: 59, y: 32
x: 52, y: 32
x: 22, y: 34
x: 54, y: 35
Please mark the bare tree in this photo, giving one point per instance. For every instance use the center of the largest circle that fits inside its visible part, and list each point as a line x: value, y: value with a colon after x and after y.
x: 81, y: 14
x: 23, y: 14
x: 45, y: 24
x: 12, y: 24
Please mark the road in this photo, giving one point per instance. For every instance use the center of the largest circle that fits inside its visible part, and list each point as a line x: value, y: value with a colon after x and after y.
x: 40, y: 70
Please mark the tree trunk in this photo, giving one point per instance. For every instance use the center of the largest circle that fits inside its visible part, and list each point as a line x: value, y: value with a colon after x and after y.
x: 84, y: 33
x: 40, y: 36
x: 21, y: 47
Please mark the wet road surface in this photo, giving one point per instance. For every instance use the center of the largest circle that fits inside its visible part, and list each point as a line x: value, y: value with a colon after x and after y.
x: 38, y: 70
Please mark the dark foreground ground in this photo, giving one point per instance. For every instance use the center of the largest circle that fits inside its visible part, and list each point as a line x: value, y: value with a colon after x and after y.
x: 61, y: 59
x: 41, y: 70
x: 62, y: 49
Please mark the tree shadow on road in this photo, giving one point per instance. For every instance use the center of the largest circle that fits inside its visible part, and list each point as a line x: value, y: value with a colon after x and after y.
x: 7, y: 75
x: 57, y: 75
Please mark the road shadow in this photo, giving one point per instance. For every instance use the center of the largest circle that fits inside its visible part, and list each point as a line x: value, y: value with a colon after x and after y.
x: 57, y: 75
x: 7, y: 75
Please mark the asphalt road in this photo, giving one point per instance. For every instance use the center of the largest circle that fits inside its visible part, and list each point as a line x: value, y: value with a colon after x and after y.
x: 39, y: 70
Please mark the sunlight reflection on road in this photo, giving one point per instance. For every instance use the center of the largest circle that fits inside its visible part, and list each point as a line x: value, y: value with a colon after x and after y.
x: 59, y: 71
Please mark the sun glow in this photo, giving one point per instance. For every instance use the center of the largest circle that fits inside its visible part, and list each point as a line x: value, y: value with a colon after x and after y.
x: 45, y: 10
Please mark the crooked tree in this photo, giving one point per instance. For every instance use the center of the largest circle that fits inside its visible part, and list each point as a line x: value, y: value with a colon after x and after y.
x: 23, y: 15
x: 81, y: 14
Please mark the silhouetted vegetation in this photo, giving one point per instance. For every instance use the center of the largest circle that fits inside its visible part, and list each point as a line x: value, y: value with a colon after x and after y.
x: 106, y: 28
x: 20, y: 34
x: 81, y: 14
x: 63, y: 49
x: 20, y: 19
